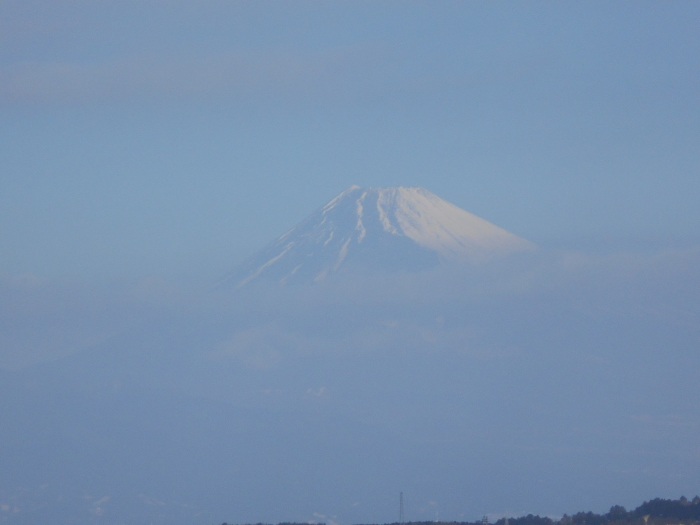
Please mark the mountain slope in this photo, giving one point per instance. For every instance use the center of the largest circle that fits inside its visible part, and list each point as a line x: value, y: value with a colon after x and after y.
x: 393, y: 229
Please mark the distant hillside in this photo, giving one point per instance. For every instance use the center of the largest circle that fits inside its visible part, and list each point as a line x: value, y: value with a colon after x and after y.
x: 655, y: 512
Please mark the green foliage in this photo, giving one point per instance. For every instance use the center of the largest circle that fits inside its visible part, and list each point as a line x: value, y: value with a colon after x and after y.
x: 681, y: 510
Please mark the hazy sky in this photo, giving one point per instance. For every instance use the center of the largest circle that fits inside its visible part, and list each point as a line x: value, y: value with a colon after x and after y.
x: 176, y: 138
x: 144, y: 143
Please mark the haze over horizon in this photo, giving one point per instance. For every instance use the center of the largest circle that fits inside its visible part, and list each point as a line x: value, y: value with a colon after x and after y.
x: 408, y: 339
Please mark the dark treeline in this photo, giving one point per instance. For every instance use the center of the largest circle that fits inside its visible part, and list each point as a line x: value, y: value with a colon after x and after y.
x: 655, y: 512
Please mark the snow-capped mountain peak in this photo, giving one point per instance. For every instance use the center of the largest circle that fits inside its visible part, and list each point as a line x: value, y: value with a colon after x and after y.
x: 394, y: 228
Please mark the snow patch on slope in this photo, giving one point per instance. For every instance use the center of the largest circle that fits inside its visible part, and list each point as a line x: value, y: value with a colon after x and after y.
x: 383, y: 201
x: 266, y: 265
x: 334, y: 202
x: 360, y: 226
x: 441, y: 226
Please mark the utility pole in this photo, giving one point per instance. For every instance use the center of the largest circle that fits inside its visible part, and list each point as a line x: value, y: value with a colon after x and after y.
x: 401, y: 508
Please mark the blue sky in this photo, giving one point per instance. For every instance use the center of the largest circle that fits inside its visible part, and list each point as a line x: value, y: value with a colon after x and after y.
x: 177, y: 138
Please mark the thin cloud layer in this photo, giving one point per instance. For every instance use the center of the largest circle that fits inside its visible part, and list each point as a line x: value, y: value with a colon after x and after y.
x: 254, y: 75
x: 354, y: 313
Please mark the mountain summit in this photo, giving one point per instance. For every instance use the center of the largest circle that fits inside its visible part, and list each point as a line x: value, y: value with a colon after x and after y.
x: 393, y: 228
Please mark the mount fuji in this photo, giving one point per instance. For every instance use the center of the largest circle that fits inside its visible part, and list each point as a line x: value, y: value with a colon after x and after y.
x: 394, y: 229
